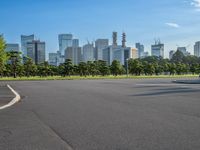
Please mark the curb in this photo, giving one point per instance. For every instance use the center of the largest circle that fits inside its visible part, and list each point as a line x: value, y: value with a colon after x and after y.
x: 14, y: 101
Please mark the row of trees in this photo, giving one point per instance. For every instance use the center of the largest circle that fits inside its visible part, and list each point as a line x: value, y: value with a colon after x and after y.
x: 11, y: 65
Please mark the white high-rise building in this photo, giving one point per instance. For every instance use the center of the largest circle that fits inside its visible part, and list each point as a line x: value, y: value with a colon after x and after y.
x: 100, y: 44
x: 65, y: 41
x: 24, y: 40
x: 197, y: 49
x: 157, y: 50
x: 88, y: 52
x: 36, y: 51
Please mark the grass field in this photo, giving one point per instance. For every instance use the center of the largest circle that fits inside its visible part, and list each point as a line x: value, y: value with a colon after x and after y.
x: 95, y: 77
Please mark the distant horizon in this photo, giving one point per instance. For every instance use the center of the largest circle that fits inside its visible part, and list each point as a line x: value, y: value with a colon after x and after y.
x: 174, y: 22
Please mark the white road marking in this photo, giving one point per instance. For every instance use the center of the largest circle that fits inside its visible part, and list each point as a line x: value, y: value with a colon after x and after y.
x: 14, y: 101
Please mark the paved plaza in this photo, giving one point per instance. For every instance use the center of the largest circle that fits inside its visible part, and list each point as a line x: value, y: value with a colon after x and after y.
x: 127, y: 114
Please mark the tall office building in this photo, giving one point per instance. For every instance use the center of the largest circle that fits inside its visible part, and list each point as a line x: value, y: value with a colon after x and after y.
x: 53, y: 59
x: 197, y: 49
x: 74, y: 53
x: 134, y: 53
x: 140, y: 49
x: 157, y: 49
x: 100, y: 44
x: 36, y: 51
x: 77, y: 52
x: 75, y: 43
x: 171, y: 53
x: 118, y: 53
x: 12, y: 47
x: 88, y: 52
x: 107, y: 54
x: 24, y: 40
x: 65, y: 41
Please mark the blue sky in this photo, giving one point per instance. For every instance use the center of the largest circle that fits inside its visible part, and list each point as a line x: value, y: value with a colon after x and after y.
x: 175, y: 22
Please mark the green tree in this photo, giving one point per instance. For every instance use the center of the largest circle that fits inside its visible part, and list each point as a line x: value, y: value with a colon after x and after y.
x: 83, y: 69
x: 92, y: 68
x: 103, y: 68
x: 14, y: 61
x: 116, y: 68
x: 177, y: 57
x: 20, y: 70
x: 3, y: 55
x: 150, y: 69
x: 28, y: 67
x: 44, y: 69
x: 151, y: 59
x: 179, y: 68
x: 68, y: 67
x: 194, y: 68
x: 172, y: 68
x: 135, y: 66
x: 158, y: 68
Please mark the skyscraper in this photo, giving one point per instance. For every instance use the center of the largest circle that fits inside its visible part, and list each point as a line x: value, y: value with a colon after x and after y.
x: 134, y: 53
x: 107, y: 54
x: 12, y: 47
x: 53, y: 59
x: 197, y: 49
x: 88, y: 52
x: 171, y: 53
x: 36, y: 51
x: 74, y: 52
x: 157, y: 49
x: 24, y: 40
x: 140, y: 48
x: 65, y: 41
x: 100, y: 44
x: 117, y: 52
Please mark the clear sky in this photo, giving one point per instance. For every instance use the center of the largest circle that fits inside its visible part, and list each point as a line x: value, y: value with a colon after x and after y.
x: 175, y: 22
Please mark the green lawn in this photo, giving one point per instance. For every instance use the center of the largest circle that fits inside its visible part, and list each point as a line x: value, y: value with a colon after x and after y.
x: 95, y: 77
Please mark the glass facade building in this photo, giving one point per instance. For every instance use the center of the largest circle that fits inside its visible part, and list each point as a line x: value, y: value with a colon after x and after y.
x: 36, y: 51
x: 24, y: 40
x: 65, y: 41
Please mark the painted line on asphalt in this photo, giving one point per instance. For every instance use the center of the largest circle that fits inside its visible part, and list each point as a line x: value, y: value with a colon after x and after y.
x: 192, y: 86
x: 149, y: 84
x: 14, y: 100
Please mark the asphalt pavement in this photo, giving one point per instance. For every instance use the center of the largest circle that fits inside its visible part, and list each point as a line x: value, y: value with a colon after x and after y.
x: 144, y: 114
x: 5, y: 95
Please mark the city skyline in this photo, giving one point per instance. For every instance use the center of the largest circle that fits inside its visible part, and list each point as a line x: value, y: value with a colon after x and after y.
x: 175, y: 22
